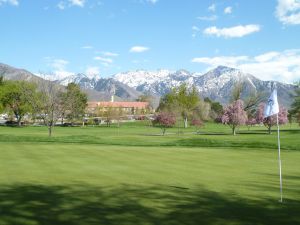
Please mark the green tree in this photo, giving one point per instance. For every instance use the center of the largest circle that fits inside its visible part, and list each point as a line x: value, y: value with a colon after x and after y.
x: 73, y: 102
x: 15, y: 97
x: 202, y: 111
x: 1, y: 93
x: 237, y: 91
x: 216, y: 109
x: 147, y: 98
x: 295, y: 107
x: 182, y: 100
x: 252, y: 99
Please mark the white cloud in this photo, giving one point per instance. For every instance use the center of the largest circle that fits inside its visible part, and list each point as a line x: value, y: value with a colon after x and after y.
x: 58, y: 68
x: 212, y: 8
x: 92, y: 71
x: 221, y: 60
x: 61, y: 5
x: 59, y: 64
x: 110, y: 54
x: 69, y: 3
x: 147, y: 1
x: 195, y: 31
x: 11, y: 2
x: 138, y: 49
x: 288, y: 11
x: 282, y: 66
x: 195, y: 28
x: 79, y: 3
x: 152, y: 1
x: 232, y: 32
x: 228, y: 10
x: 87, y: 47
x: 103, y: 59
x: 207, y: 18
x: 266, y: 56
x: 61, y: 74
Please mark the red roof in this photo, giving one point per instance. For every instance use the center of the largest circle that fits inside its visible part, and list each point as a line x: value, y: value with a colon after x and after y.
x: 139, y: 105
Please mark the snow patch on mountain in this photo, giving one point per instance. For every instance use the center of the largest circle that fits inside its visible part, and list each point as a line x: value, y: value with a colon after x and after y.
x: 141, y: 77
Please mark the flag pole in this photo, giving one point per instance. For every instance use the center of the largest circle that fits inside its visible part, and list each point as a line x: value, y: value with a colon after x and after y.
x: 279, y: 159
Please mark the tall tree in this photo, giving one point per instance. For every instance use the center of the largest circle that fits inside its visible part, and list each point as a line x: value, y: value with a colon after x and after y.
x: 234, y: 115
x: 147, y: 98
x: 1, y: 93
x: 74, y: 102
x: 202, y: 111
x: 15, y: 97
x: 182, y: 100
x: 295, y: 107
x: 216, y: 109
x: 251, y: 101
x: 237, y: 91
x: 49, y: 104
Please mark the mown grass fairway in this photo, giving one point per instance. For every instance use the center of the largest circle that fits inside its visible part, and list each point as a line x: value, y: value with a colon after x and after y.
x: 131, y: 175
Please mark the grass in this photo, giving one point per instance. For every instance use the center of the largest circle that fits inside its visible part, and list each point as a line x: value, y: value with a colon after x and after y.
x: 132, y: 175
x: 140, y: 134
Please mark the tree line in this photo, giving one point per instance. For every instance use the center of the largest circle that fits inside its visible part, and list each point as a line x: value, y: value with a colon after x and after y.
x: 184, y: 103
x: 45, y: 101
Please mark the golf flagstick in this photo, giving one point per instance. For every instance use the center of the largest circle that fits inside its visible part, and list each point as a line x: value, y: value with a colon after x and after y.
x: 272, y: 108
x: 279, y: 159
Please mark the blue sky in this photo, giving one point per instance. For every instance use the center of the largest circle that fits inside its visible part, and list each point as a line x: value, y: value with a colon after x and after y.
x: 111, y: 36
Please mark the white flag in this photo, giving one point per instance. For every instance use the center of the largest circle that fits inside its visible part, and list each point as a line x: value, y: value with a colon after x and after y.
x: 272, y: 106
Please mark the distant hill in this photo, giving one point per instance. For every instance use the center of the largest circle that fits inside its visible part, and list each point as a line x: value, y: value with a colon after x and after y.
x: 97, y: 90
x: 12, y: 73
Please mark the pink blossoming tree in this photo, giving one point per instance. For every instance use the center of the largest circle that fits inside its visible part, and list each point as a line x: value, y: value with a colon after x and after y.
x: 164, y: 120
x: 250, y: 122
x: 197, y: 123
x: 234, y: 115
x: 271, y: 120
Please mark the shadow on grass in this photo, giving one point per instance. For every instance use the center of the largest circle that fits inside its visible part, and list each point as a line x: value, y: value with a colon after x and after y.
x: 203, y: 142
x: 274, y: 130
x: 60, y: 205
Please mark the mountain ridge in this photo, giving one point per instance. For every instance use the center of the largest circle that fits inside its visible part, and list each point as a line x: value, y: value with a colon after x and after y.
x: 217, y: 84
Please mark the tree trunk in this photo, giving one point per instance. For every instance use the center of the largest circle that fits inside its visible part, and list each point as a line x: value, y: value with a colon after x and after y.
x: 233, y: 131
x: 163, y: 131
x: 18, y: 118
x: 185, y: 122
x: 50, y: 131
x: 19, y: 121
x: 269, y: 129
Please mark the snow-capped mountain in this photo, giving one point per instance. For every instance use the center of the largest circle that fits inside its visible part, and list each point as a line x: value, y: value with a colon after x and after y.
x: 101, y: 88
x: 83, y: 80
x: 158, y: 82
x: 217, y: 84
